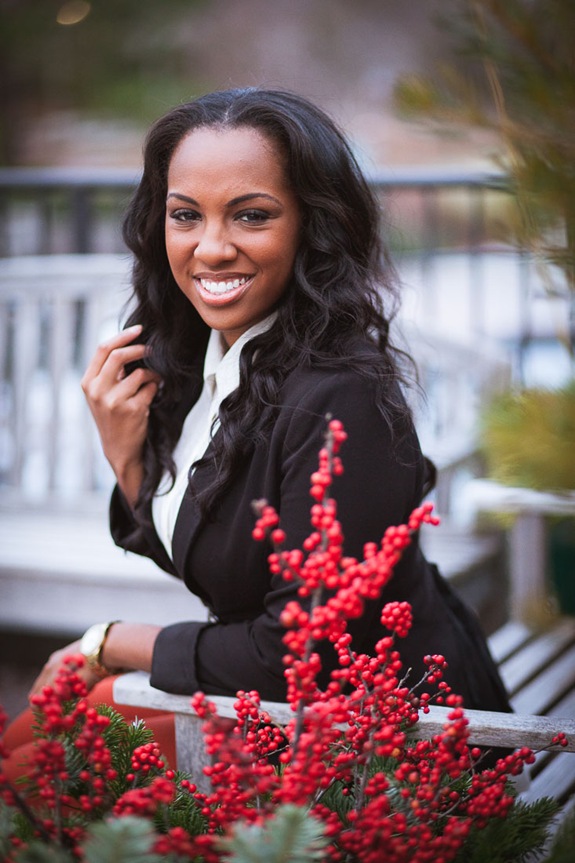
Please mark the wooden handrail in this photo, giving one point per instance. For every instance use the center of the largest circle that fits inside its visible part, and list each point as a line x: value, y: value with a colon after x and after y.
x: 486, y: 728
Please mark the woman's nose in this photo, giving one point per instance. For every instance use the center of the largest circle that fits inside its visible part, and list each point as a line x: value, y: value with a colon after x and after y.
x: 214, y: 245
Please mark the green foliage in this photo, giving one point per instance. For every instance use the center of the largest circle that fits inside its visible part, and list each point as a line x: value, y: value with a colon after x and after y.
x: 6, y: 828
x: 528, y: 438
x: 20, y: 826
x: 126, y: 840
x: 561, y: 850
x: 122, y: 738
x: 524, y: 831
x: 512, y: 72
x: 337, y: 802
x: 183, y: 811
x: 290, y: 836
x: 126, y: 59
x: 40, y: 853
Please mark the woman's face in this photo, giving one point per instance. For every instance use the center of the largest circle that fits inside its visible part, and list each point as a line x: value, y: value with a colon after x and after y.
x: 232, y: 226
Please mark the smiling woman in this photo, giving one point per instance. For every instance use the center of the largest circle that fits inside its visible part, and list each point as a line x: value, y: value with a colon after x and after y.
x: 263, y: 301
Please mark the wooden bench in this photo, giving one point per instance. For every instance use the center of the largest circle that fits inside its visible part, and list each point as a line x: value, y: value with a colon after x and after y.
x: 538, y: 670
x: 529, y: 510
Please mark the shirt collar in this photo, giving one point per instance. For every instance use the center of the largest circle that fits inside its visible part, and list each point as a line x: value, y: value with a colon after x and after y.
x: 221, y: 367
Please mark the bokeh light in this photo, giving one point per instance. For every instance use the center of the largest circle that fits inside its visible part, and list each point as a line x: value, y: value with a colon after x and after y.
x: 73, y: 12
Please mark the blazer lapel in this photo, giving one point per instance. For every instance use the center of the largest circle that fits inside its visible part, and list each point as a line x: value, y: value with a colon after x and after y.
x: 190, y: 518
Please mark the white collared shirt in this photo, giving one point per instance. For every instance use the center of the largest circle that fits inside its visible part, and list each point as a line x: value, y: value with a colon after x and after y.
x: 221, y: 378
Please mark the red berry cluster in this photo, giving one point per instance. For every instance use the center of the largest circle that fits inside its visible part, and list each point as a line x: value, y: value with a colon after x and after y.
x: 146, y: 801
x: 422, y: 808
x: 178, y: 843
x: 241, y: 773
x: 62, y: 714
x: 98, y: 771
x: 71, y: 779
x: 397, y: 617
x: 62, y: 708
x: 145, y: 758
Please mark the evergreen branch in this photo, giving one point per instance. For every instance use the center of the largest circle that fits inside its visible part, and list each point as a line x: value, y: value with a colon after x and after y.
x: 522, y: 29
x: 26, y: 811
x: 291, y: 836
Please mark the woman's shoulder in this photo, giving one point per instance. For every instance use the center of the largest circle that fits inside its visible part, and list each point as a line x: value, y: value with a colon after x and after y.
x: 347, y: 378
x: 311, y: 393
x: 311, y: 385
x: 358, y: 353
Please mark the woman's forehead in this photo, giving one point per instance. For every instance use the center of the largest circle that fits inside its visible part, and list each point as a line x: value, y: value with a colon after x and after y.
x: 227, y: 158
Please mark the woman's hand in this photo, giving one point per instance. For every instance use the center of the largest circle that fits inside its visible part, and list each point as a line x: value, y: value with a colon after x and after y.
x: 120, y: 405
x: 127, y: 646
x: 55, y: 662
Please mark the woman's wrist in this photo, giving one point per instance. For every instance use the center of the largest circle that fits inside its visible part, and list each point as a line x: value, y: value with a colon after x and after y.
x: 129, y: 480
x: 129, y: 646
x: 92, y: 647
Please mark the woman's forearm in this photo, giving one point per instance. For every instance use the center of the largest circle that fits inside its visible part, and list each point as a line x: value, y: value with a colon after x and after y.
x: 129, y: 482
x: 130, y: 646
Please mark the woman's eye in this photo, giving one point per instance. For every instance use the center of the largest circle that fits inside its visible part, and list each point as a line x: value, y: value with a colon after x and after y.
x: 184, y: 215
x: 253, y: 217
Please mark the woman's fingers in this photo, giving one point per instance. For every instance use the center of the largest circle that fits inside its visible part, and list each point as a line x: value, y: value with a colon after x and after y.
x: 53, y: 665
x: 131, y: 392
x: 118, y: 342
x: 109, y: 385
x: 119, y: 398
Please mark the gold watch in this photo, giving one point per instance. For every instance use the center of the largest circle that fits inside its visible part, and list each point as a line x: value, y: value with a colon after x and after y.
x: 92, y: 645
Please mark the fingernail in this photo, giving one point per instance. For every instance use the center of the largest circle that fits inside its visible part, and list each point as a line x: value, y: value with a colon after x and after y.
x: 133, y: 328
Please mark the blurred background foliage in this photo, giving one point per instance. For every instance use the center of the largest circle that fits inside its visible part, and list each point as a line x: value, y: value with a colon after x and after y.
x: 80, y: 66
x: 527, y: 438
x: 511, y: 71
x: 108, y: 57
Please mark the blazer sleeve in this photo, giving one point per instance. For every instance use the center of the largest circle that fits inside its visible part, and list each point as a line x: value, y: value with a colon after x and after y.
x: 381, y: 483
x: 132, y: 536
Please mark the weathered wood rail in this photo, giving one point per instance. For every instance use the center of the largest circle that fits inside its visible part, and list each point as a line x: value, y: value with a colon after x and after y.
x: 530, y: 510
x: 538, y: 669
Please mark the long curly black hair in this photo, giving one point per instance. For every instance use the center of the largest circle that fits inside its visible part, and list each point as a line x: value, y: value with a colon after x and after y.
x: 342, y: 290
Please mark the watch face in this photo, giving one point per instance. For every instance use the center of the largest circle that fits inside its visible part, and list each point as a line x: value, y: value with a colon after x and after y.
x: 92, y: 639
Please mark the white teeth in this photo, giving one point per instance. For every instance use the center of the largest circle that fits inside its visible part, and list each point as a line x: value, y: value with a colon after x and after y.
x: 222, y: 287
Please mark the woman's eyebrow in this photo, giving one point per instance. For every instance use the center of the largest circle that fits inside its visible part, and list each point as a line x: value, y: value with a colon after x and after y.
x: 182, y: 198
x: 239, y: 200
x: 250, y: 196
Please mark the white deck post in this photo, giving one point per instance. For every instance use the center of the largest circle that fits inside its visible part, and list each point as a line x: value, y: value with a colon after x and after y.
x: 529, y: 593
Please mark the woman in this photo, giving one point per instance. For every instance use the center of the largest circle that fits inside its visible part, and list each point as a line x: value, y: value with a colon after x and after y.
x: 259, y: 284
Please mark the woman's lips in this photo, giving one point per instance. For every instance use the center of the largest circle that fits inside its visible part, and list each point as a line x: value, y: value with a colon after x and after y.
x: 221, y: 291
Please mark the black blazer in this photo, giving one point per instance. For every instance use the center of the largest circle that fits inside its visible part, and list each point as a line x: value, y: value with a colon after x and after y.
x: 241, y: 647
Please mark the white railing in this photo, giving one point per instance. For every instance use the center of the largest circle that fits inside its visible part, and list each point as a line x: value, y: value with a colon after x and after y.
x: 53, y: 312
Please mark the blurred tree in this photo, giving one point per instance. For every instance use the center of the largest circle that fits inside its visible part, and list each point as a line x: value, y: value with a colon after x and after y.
x: 106, y: 56
x: 512, y: 71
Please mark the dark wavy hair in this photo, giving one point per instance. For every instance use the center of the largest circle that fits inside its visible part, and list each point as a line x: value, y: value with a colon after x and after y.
x: 334, y: 301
